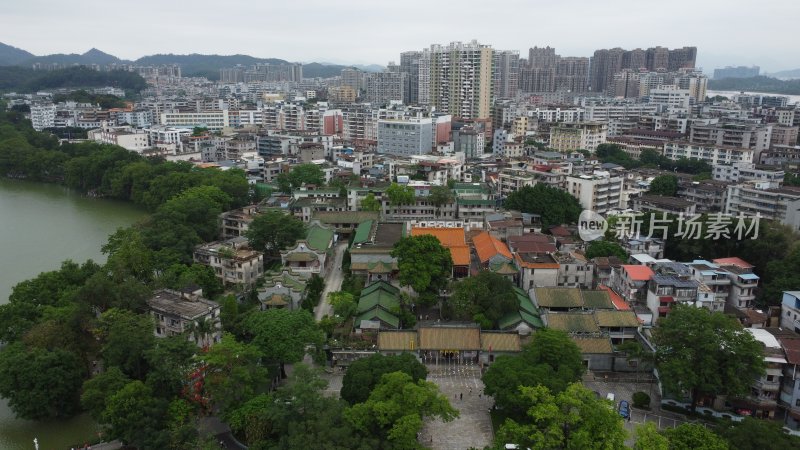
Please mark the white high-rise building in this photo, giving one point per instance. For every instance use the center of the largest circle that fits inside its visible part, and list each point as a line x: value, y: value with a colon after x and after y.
x: 461, y: 79
x: 405, y: 137
x: 43, y: 116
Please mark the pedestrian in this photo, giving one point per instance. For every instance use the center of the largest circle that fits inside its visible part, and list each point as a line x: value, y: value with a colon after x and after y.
x: 461, y: 396
x: 470, y: 391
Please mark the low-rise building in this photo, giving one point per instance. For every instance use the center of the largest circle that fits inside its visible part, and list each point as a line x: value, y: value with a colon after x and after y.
x: 756, y: 198
x: 577, y: 136
x: 599, y: 192
x: 662, y: 204
x: 179, y: 312
x: 309, y: 256
x: 232, y: 260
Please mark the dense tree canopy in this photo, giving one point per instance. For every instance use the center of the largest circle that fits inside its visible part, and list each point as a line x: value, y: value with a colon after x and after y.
x: 126, y: 337
x: 370, y: 203
x: 39, y: 383
x: 440, y: 196
x: 666, y: 185
x: 550, y: 359
x: 23, y: 79
x: 484, y: 298
x: 273, y: 231
x: 396, y: 408
x: 364, y: 374
x: 689, y: 436
x: 282, y: 335
x: 572, y: 419
x: 399, y: 194
x: 757, y: 434
x: 601, y: 248
x: 423, y: 262
x: 556, y: 207
x: 703, y: 353
x: 232, y: 374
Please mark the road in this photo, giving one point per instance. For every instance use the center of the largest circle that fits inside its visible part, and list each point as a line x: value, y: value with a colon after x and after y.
x: 333, y: 282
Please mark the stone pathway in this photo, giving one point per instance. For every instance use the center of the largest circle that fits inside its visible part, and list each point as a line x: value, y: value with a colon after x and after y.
x: 473, y: 429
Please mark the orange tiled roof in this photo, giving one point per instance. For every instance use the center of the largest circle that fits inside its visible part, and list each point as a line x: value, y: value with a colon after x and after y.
x: 734, y: 262
x: 451, y: 238
x: 637, y: 272
x: 487, y: 246
x: 619, y: 303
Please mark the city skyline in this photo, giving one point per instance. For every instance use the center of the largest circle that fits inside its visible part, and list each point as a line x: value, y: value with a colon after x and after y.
x: 359, y: 32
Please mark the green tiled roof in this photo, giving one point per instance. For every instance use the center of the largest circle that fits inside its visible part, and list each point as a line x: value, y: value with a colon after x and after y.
x: 597, y: 300
x: 573, y: 322
x: 362, y: 232
x: 554, y: 297
x: 382, y: 285
x: 319, y: 238
x: 287, y: 280
x: 532, y: 320
x: 595, y: 345
x: 504, y: 268
x: 513, y: 318
x: 525, y: 302
x: 380, y: 314
x: 377, y: 298
x: 301, y: 257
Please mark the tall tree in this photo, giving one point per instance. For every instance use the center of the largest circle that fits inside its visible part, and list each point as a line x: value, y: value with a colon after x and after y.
x: 303, y: 174
x: 282, y: 335
x: 572, y: 419
x: 690, y: 436
x: 440, y: 196
x: 370, y: 203
x: 273, y: 231
x: 605, y: 248
x: 232, y: 373
x: 98, y: 389
x: 551, y: 359
x: 666, y: 185
x: 649, y: 438
x: 134, y: 416
x: 125, y: 337
x: 556, y: 207
x: 364, y: 374
x: 423, y: 262
x: 702, y: 353
x: 396, y: 407
x: 488, y: 295
x: 399, y: 194
x: 41, y: 384
x: 757, y: 434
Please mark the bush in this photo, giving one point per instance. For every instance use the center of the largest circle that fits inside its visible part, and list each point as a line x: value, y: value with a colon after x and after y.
x: 641, y: 400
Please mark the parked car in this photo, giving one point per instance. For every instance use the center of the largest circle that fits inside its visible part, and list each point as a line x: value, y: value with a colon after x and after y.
x: 624, y: 410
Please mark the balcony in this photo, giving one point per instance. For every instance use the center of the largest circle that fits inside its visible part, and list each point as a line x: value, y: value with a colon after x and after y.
x: 768, y: 386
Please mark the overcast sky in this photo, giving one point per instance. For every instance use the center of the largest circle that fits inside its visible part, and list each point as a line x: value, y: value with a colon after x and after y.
x: 729, y: 32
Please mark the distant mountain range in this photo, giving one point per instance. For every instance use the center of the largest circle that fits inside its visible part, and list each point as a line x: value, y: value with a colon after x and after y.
x: 786, y: 74
x: 191, y: 65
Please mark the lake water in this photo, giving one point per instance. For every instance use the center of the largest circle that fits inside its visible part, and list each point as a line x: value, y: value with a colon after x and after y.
x: 40, y: 226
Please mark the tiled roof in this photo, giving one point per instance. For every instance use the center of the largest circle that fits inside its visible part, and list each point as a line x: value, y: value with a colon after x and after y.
x: 379, y: 314
x: 379, y: 297
x: 619, y: 303
x: 449, y: 338
x: 558, y: 297
x: 382, y: 285
x: 319, y: 238
x: 500, y: 342
x: 593, y: 345
x: 638, y: 272
x: 362, y: 232
x: 301, y: 257
x: 398, y: 340
x: 597, y: 299
x: 572, y: 322
x: 332, y: 217
x: 488, y: 246
x: 614, y: 319
x: 504, y: 269
x: 451, y: 238
x: 734, y: 261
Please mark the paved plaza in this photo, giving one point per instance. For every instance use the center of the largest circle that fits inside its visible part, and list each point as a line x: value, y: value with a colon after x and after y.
x: 473, y: 429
